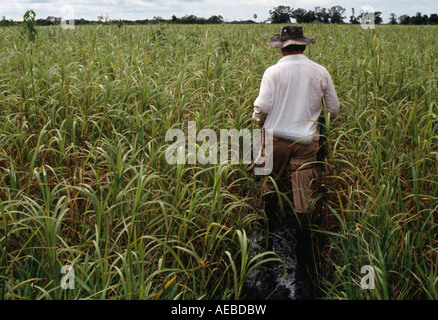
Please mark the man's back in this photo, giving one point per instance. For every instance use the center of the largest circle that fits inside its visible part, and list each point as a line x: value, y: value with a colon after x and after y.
x: 291, y: 93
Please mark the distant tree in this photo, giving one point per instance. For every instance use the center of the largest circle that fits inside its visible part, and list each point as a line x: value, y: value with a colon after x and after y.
x: 425, y: 19
x: 404, y: 19
x: 392, y: 18
x: 353, y: 19
x: 419, y: 19
x: 310, y: 16
x: 377, y: 18
x: 322, y: 15
x: 159, y: 19
x: 4, y: 22
x: 337, y: 14
x: 215, y: 19
x: 242, y: 22
x: 192, y: 19
x: 104, y: 18
x: 280, y: 14
x: 81, y: 21
x: 299, y: 15
x: 433, y: 19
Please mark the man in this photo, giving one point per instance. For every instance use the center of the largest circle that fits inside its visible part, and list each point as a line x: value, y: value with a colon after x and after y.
x: 290, y: 102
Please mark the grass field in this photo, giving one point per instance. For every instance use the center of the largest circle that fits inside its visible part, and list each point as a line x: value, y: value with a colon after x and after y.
x: 84, y: 181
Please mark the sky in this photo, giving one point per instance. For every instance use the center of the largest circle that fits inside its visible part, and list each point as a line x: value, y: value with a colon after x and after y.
x: 229, y: 9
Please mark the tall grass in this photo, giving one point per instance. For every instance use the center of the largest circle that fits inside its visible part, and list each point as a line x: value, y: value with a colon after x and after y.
x: 84, y: 180
x: 382, y: 179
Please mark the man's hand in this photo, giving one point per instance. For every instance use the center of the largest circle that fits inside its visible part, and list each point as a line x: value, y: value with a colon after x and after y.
x: 259, y: 116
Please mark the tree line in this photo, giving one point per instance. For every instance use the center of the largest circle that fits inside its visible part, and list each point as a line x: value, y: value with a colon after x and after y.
x: 187, y: 19
x: 279, y: 14
x: 336, y: 14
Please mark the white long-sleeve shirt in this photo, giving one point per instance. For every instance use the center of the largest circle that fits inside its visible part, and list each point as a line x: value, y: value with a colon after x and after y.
x: 290, y: 93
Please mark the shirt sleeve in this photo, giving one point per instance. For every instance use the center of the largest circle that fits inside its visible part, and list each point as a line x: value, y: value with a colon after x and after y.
x: 264, y: 101
x: 330, y: 96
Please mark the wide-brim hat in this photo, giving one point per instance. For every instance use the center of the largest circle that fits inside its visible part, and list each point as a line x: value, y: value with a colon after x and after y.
x: 290, y: 35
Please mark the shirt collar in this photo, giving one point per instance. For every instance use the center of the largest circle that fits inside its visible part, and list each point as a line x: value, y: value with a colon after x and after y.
x: 293, y: 57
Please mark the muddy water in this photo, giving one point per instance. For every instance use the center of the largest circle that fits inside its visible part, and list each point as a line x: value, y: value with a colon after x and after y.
x: 277, y: 280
